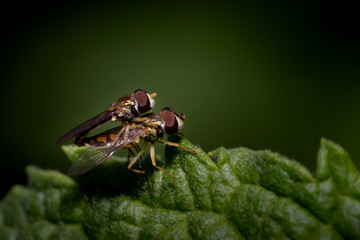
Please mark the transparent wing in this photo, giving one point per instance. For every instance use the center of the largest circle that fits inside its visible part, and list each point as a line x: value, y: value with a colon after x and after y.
x: 95, y: 156
x: 90, y: 159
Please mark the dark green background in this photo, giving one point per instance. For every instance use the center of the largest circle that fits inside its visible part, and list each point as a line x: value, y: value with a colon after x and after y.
x: 265, y: 75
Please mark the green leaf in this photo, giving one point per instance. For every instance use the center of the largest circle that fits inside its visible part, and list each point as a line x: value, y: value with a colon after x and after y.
x: 225, y: 194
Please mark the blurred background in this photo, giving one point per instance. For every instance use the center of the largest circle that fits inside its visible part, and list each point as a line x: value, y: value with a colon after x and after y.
x: 264, y: 75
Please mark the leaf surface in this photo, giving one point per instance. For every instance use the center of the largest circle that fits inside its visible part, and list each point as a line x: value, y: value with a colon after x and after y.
x: 226, y: 194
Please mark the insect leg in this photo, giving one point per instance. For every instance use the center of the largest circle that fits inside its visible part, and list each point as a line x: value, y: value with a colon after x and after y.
x: 147, y: 180
x: 140, y: 119
x: 130, y: 152
x: 123, y: 130
x: 138, y: 149
x: 153, y: 160
x: 133, y: 161
x: 175, y: 145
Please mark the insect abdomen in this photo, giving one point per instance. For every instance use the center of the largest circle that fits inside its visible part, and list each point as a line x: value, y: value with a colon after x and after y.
x: 101, y: 140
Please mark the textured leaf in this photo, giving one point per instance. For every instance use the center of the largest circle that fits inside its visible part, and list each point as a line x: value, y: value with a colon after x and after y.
x: 226, y: 194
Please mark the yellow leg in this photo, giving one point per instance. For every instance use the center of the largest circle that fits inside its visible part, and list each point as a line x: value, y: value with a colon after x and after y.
x: 175, y: 145
x: 140, y: 119
x: 152, y: 155
x: 133, y: 161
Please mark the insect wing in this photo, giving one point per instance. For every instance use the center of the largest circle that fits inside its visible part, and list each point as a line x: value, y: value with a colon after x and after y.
x: 95, y: 156
x: 90, y: 159
x: 87, y: 126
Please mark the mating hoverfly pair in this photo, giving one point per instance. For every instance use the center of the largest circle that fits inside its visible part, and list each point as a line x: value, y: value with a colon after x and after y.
x: 140, y: 126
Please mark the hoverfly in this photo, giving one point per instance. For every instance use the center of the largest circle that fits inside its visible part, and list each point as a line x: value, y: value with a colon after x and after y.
x: 124, y: 110
x: 149, y: 128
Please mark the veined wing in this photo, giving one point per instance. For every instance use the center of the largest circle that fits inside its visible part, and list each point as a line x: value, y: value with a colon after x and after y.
x: 87, y: 126
x: 90, y: 159
x: 95, y: 156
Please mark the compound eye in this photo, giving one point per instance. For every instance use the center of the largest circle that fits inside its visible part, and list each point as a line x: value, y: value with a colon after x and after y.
x: 142, y: 101
x: 171, y: 122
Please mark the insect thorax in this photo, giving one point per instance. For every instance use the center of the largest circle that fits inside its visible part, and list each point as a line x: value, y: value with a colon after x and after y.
x: 151, y: 135
x: 124, y: 113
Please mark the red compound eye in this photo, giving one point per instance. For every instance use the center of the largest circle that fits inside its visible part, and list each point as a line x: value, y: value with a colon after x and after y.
x: 142, y: 100
x: 170, y: 119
